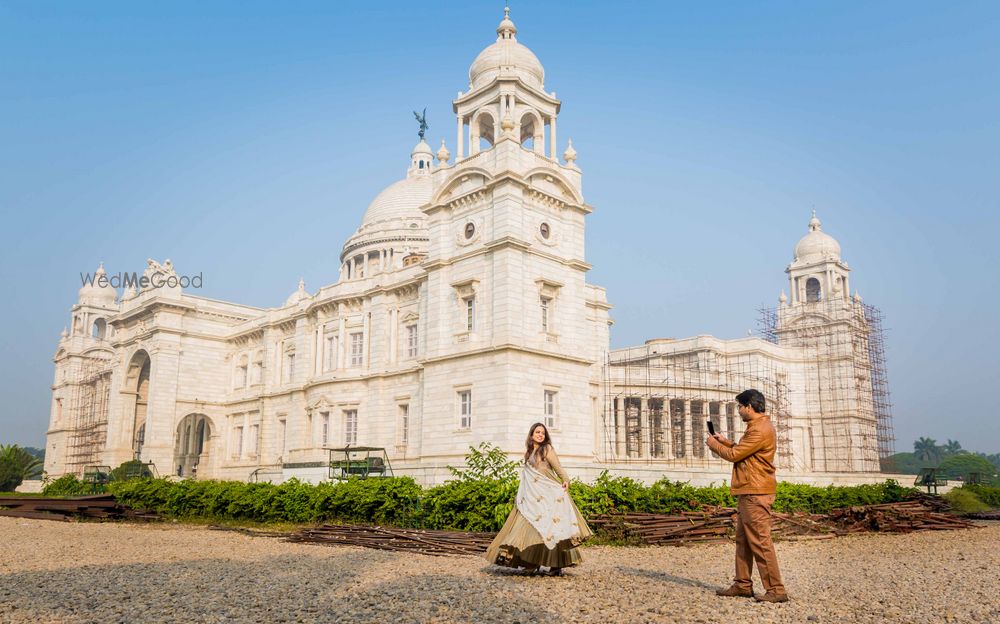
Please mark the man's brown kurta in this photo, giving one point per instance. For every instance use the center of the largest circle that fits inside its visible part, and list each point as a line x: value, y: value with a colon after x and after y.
x: 754, y: 485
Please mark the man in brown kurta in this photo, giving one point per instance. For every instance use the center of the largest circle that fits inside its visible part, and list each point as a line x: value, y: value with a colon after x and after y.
x: 754, y: 486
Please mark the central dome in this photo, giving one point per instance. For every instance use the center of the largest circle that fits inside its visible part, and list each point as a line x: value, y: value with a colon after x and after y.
x: 817, y: 245
x: 400, y: 200
x: 507, y: 57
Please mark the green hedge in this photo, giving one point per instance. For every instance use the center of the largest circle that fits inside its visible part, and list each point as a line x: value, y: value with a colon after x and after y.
x: 469, y: 504
x: 987, y: 494
x: 389, y: 501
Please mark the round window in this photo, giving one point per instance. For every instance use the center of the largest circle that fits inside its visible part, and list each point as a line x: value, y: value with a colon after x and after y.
x: 544, y: 230
x: 470, y: 229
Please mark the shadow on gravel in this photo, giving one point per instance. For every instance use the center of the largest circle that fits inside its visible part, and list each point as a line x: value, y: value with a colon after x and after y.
x: 669, y: 578
x: 447, y: 598
x: 495, y: 570
x: 276, y: 589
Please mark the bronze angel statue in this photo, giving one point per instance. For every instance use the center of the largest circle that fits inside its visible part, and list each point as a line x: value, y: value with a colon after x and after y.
x: 422, y: 118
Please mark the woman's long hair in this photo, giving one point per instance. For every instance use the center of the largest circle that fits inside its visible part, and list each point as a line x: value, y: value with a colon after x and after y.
x: 529, y: 444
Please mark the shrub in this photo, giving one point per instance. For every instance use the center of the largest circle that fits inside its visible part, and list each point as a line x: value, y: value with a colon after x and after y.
x: 813, y: 499
x: 468, y: 505
x: 390, y: 500
x: 66, y: 485
x: 964, y: 501
x: 987, y: 494
x: 132, y: 469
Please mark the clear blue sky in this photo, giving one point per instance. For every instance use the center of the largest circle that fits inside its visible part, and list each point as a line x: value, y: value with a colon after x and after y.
x: 244, y: 140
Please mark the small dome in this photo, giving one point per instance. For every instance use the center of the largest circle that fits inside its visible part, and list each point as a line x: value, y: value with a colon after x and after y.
x: 298, y: 295
x: 400, y: 200
x: 92, y: 292
x: 421, y: 148
x: 507, y: 57
x: 817, y: 245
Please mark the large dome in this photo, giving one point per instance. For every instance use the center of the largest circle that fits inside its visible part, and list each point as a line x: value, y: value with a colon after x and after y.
x: 400, y: 200
x: 93, y: 293
x: 507, y: 57
x: 817, y: 245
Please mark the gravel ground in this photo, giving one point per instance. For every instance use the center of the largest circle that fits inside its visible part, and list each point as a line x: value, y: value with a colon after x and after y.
x: 88, y: 572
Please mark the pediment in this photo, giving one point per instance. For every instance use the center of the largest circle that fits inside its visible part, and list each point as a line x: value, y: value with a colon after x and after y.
x: 461, y: 183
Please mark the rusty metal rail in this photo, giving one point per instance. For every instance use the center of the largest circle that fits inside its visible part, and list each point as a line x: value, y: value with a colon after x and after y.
x: 719, y: 523
x: 425, y: 542
x: 97, y: 507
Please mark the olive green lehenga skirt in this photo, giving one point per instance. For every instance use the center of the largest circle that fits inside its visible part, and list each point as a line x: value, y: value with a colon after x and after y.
x: 518, y: 544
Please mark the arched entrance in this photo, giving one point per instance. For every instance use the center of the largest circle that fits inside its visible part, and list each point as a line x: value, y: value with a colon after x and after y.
x: 191, y: 444
x: 137, y: 384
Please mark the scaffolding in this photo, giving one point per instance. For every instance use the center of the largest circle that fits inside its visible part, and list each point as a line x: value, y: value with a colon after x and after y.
x: 87, y: 417
x: 845, y: 397
x: 820, y: 366
x: 880, y: 386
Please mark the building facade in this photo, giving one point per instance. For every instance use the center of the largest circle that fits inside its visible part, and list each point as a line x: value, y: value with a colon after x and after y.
x: 461, y: 314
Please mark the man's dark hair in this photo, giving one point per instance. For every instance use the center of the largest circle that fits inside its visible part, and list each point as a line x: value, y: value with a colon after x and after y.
x: 753, y: 398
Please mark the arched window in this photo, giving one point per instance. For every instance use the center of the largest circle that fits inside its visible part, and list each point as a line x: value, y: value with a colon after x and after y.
x: 813, y: 291
x: 485, y: 130
x: 99, y: 329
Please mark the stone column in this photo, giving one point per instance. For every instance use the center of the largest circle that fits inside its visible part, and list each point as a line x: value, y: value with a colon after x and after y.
x: 666, y: 422
x: 318, y: 351
x: 394, y: 335
x: 688, y: 433
x: 645, y: 433
x: 366, y: 341
x: 460, y: 144
x: 341, y: 342
x: 619, y: 429
x: 553, y: 150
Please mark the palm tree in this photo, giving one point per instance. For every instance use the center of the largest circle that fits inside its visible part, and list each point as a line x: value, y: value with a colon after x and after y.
x: 927, y: 450
x: 16, y: 465
x: 951, y: 447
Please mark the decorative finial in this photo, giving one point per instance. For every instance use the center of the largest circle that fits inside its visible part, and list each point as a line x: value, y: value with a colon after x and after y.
x: 422, y: 119
x: 783, y: 298
x: 443, y: 154
x: 506, y: 29
x: 302, y: 284
x: 65, y: 333
x: 570, y: 154
x: 814, y: 223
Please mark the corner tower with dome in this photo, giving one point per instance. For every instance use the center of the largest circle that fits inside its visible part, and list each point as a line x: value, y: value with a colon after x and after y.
x: 459, y: 313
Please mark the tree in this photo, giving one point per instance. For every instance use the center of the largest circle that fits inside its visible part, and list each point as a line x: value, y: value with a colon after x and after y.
x: 16, y: 465
x: 951, y: 447
x: 993, y: 459
x: 961, y: 465
x: 927, y: 450
x: 37, y: 452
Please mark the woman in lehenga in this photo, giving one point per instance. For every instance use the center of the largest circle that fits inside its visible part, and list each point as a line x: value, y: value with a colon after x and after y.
x: 545, y: 527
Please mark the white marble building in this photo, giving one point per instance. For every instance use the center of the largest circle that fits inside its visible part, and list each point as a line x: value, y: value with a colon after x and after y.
x: 461, y: 315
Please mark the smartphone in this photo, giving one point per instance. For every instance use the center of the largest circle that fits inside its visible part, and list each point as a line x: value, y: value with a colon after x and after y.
x: 711, y: 428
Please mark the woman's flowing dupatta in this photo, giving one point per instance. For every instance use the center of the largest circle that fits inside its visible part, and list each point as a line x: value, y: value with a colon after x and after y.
x: 546, y: 507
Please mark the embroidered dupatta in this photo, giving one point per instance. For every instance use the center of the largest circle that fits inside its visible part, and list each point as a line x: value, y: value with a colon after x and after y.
x: 545, y: 506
